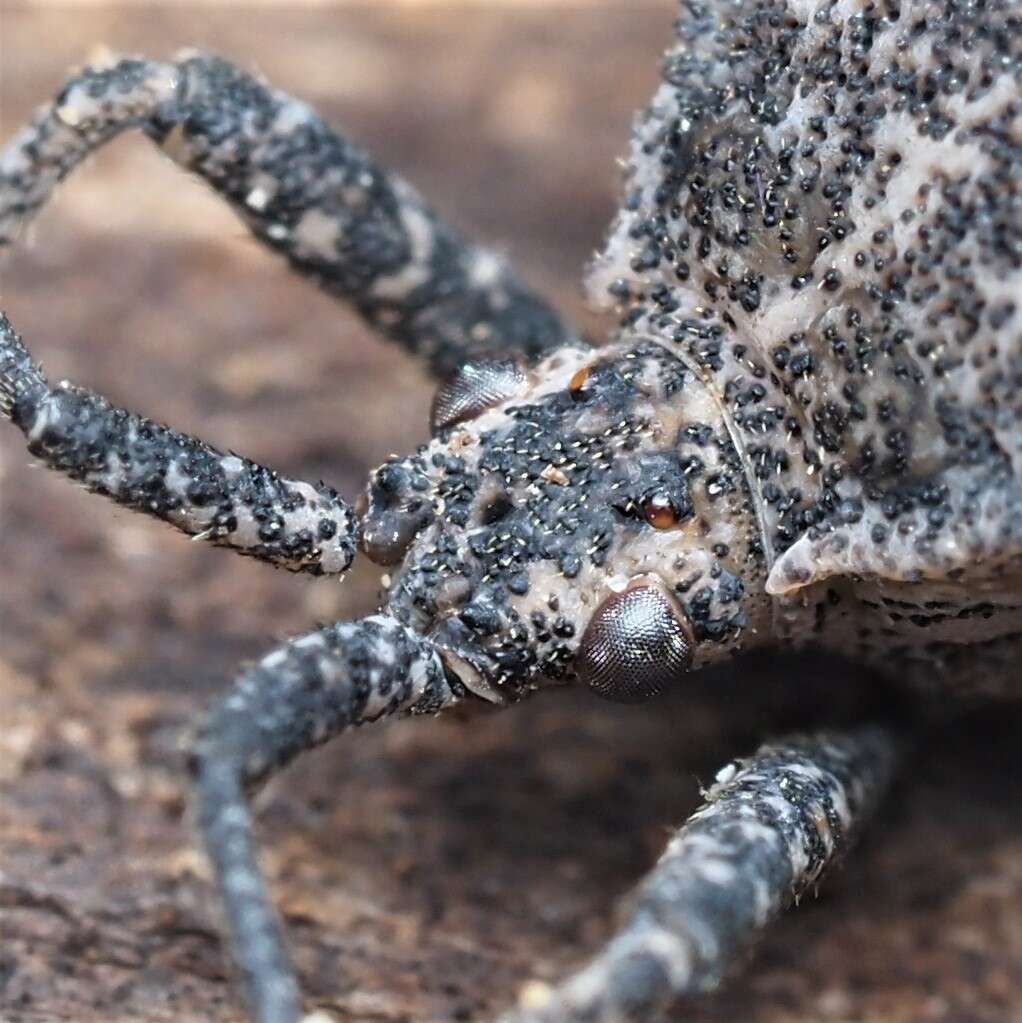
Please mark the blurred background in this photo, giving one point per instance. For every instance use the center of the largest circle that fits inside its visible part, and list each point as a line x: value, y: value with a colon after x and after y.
x: 426, y: 869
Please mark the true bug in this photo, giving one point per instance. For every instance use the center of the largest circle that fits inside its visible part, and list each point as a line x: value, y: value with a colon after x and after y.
x: 793, y: 439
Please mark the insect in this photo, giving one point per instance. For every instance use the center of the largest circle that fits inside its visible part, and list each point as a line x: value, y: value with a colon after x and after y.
x: 805, y: 432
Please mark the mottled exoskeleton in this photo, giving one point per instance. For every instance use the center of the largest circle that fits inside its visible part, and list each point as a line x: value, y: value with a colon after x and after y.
x: 806, y: 430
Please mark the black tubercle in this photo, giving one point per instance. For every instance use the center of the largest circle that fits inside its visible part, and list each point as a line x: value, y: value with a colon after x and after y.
x: 822, y: 216
x: 580, y: 484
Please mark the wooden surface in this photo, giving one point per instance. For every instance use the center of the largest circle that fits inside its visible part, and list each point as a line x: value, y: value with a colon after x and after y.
x: 478, y: 853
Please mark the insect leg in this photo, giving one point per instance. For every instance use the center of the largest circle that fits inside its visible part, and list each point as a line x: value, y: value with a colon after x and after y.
x: 151, y: 468
x: 769, y: 828
x: 297, y: 697
x: 361, y: 232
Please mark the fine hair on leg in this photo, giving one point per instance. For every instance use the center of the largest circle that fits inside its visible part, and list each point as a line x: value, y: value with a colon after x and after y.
x: 769, y: 828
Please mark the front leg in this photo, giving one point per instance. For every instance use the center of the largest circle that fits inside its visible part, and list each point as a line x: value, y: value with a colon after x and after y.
x: 208, y: 494
x: 770, y: 827
x: 298, y: 697
x: 362, y: 233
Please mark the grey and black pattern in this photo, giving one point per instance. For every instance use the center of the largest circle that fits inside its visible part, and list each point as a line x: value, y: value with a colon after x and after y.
x: 304, y: 693
x: 771, y: 825
x: 823, y: 219
x: 223, y: 498
x: 613, y: 469
x: 807, y: 431
x: 362, y: 233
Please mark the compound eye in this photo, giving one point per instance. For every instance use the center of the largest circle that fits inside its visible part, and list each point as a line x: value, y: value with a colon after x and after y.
x: 474, y: 388
x: 636, y: 645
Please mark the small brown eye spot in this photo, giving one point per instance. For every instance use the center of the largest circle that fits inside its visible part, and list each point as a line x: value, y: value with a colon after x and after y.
x: 638, y: 644
x: 474, y: 388
x: 577, y: 384
x: 659, y: 511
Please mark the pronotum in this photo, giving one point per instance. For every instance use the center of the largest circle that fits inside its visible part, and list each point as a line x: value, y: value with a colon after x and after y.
x: 805, y: 431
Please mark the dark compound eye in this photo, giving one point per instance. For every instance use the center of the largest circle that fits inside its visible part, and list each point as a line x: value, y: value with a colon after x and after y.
x: 474, y: 388
x: 636, y: 645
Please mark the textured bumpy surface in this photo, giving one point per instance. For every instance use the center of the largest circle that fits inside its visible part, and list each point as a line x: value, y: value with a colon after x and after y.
x: 304, y: 190
x: 810, y: 427
x: 297, y: 697
x: 650, y: 473
x: 227, y: 500
x: 824, y: 221
x: 608, y: 468
x: 770, y: 827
